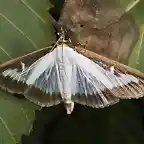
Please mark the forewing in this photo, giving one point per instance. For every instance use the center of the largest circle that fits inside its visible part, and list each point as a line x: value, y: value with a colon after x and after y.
x: 14, y: 74
x: 123, y: 81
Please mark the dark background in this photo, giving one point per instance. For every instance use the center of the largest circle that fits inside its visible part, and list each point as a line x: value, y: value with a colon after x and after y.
x: 121, y: 123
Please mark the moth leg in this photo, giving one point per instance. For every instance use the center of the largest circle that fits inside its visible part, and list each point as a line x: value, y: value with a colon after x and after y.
x: 22, y: 65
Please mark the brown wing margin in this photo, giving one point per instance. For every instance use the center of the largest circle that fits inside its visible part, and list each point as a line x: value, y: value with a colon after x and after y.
x: 95, y: 101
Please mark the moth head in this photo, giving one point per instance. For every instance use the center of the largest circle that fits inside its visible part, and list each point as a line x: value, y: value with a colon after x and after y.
x: 69, y: 106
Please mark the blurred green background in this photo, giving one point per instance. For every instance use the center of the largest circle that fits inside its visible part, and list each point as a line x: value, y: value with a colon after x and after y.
x: 26, y: 26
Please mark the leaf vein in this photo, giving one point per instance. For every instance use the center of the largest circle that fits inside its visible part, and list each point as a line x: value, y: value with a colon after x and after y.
x: 33, y: 11
x: 9, y: 131
x: 26, y: 116
x: 6, y: 52
x: 27, y: 37
x: 131, y: 5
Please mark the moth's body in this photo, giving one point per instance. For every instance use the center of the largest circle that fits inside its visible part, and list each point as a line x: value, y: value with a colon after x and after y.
x: 65, y: 72
x: 69, y: 106
x: 64, y: 75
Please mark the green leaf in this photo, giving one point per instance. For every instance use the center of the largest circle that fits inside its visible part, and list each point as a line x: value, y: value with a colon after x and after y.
x: 130, y: 4
x: 16, y: 117
x: 24, y: 27
x: 136, y: 59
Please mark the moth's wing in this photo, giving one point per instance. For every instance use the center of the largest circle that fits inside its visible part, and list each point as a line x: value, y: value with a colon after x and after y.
x: 87, y: 90
x: 125, y: 82
x: 13, y: 79
x: 15, y: 64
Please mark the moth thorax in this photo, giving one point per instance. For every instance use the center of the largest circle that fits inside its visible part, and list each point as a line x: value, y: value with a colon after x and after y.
x: 69, y: 105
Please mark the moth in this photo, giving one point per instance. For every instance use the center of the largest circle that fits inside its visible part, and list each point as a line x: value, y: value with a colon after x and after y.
x: 67, y: 74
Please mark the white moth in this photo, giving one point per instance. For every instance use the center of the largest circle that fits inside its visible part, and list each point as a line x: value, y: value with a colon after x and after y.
x: 65, y: 71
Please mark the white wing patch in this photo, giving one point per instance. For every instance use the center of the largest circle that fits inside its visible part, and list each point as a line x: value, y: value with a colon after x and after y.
x: 70, y: 73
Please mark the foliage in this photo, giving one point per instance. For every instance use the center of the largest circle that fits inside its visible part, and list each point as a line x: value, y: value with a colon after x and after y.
x: 24, y: 27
